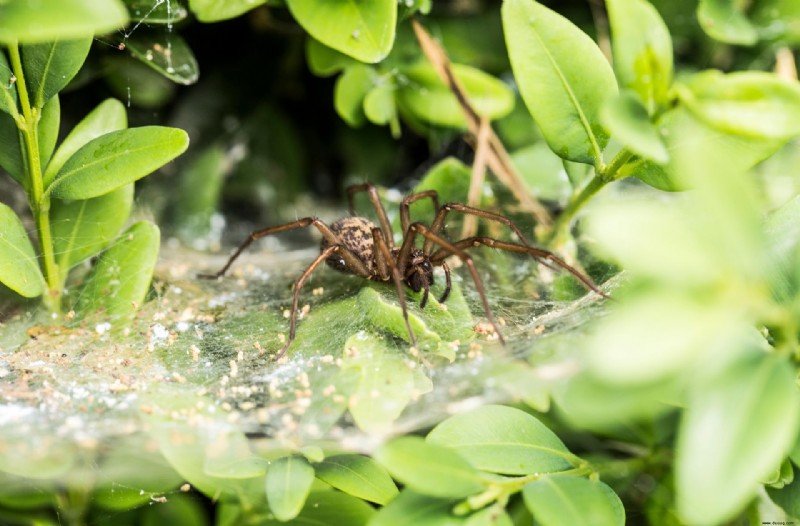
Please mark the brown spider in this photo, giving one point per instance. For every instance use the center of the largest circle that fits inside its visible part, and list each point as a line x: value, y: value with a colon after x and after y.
x: 354, y: 245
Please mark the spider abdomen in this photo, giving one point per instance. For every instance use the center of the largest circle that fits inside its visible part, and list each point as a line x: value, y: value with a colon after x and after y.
x: 355, y: 233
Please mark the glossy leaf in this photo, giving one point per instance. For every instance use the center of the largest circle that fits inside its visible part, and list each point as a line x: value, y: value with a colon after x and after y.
x: 420, y: 510
x: 52, y: 20
x: 782, y: 232
x: 108, y: 116
x: 215, y: 11
x: 82, y: 228
x: 351, y: 89
x: 788, y: 497
x: 379, y: 105
x: 776, y: 19
x: 8, y: 91
x: 19, y: 269
x: 642, y: 49
x: 628, y: 122
x: 49, y: 125
x: 425, y: 95
x: 737, y: 427
x: 362, y: 29
x: 385, y: 382
x: 118, y: 283
x: 324, y: 61
x: 137, y: 83
x: 747, y: 103
x: 563, y: 77
x: 489, y: 516
x: 573, y: 501
x: 50, y: 66
x: 358, y: 476
x: 166, y: 52
x: 503, y: 440
x: 330, y: 508
x: 288, y: 483
x: 199, y: 192
x: 429, y: 468
x: 725, y: 21
x: 150, y: 12
x: 542, y: 171
x: 116, y: 159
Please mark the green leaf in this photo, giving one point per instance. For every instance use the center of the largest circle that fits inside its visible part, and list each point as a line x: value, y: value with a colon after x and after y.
x: 330, y: 508
x: 542, y: 171
x: 642, y: 50
x: 82, y: 228
x: 136, y: 83
x: 362, y: 29
x: 358, y: 476
x: 738, y: 426
x: 116, y: 159
x: 425, y: 95
x: 8, y: 91
x: 490, y: 516
x: 52, y: 20
x: 288, y: 483
x: 118, y: 283
x: 199, y: 191
x: 324, y: 61
x: 563, y: 77
x: 748, y: 103
x: 788, y: 497
x: 573, y: 501
x: 50, y: 66
x: 627, y: 121
x: 379, y: 106
x: 503, y: 440
x: 19, y: 269
x: 430, y: 469
x: 108, y: 116
x: 349, y: 93
x: 724, y: 20
x: 776, y: 19
x: 420, y: 510
x: 215, y: 11
x: 782, y: 232
x: 166, y: 52
x: 385, y: 382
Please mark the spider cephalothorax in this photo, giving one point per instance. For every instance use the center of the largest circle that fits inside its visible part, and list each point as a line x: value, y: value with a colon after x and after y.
x: 355, y: 245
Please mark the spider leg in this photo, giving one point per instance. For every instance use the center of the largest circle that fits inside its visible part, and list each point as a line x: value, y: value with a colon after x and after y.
x: 385, y: 263
x: 375, y: 199
x: 296, y: 296
x: 441, y: 215
x: 448, y: 282
x: 429, y: 235
x: 405, y: 204
x: 545, y: 257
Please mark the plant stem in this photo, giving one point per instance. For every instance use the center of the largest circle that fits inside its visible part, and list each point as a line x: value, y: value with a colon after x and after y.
x: 37, y: 199
x: 604, y: 174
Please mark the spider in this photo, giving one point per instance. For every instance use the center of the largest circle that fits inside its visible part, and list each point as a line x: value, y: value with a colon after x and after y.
x: 355, y: 245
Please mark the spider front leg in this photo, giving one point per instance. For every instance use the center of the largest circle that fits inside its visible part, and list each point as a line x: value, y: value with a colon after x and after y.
x: 441, y: 215
x: 385, y: 264
x: 375, y: 199
x: 408, y: 243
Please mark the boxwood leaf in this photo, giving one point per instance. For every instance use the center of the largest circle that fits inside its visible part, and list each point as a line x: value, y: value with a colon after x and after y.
x: 429, y: 468
x: 116, y: 159
x: 166, y: 52
x: 359, y: 476
x: 324, y: 61
x: 410, y: 507
x: 642, y: 50
x: 8, y: 91
x: 50, y: 66
x: 12, y: 150
x: 504, y: 440
x: 19, y: 269
x: 82, y: 228
x: 108, y: 116
x: 748, y: 103
x: 160, y: 12
x: 49, y: 124
x: 430, y: 100
x: 563, y: 78
x: 788, y: 497
x: 349, y: 93
x: 52, y: 20
x: 379, y: 104
x: 628, y: 122
x: 214, y: 10
x: 385, y: 382
x: 288, y: 483
x: 362, y: 29
x: 738, y: 426
x: 330, y: 508
x: 118, y: 283
x: 724, y: 20
x: 572, y: 501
